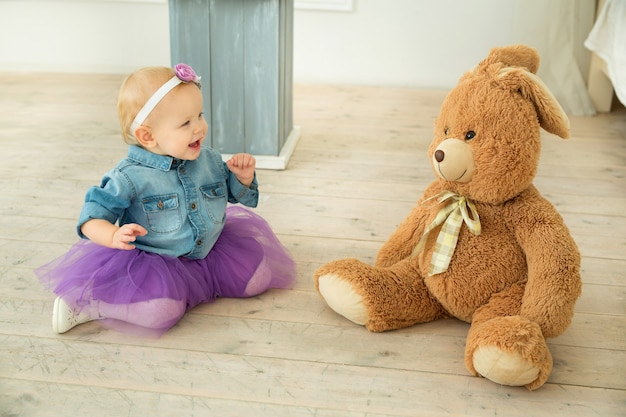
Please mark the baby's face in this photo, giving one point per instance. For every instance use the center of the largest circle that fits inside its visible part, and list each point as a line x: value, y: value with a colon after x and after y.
x: 177, y: 123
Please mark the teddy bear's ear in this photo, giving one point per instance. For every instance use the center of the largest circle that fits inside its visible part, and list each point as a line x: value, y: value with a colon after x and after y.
x: 514, y: 56
x: 551, y: 116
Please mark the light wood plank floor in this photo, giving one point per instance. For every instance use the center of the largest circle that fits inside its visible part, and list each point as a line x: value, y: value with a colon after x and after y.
x: 356, y: 172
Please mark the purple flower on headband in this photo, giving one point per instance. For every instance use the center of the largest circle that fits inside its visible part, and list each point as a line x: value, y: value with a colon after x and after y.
x: 186, y: 74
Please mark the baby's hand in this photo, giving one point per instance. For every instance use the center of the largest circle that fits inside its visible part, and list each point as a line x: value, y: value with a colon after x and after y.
x: 127, y: 233
x: 242, y: 165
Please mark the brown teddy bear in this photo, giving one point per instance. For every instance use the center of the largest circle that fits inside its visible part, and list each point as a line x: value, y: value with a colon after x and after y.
x: 482, y: 244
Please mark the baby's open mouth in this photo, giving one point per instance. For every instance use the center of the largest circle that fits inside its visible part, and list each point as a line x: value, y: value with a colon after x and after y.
x: 195, y: 144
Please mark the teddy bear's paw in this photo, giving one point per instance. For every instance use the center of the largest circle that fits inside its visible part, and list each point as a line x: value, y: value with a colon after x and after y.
x: 506, y: 368
x: 509, y: 351
x: 342, y: 298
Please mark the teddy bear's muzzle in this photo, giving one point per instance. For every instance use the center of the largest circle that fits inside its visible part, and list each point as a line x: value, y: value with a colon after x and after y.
x: 454, y: 161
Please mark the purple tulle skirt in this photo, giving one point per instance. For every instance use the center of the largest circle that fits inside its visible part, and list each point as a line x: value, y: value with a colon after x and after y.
x: 147, y: 293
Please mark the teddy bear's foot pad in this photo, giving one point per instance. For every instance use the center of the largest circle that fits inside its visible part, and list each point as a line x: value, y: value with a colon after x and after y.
x: 342, y: 298
x: 504, y: 368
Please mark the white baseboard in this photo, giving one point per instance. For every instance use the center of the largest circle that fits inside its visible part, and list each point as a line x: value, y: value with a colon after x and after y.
x: 281, y: 161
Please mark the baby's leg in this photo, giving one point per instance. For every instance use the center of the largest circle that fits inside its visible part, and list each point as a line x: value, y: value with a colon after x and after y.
x: 159, y: 313
x: 260, y: 280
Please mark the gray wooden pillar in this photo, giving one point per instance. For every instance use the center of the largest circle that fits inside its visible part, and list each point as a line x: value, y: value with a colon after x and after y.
x: 242, y: 49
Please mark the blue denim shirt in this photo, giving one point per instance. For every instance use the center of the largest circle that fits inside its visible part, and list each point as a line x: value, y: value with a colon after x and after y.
x: 181, y: 203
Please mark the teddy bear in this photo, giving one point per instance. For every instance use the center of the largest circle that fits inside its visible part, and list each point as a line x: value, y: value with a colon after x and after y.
x: 481, y: 245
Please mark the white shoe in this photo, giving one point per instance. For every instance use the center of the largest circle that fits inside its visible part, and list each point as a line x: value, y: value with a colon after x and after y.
x: 65, y: 317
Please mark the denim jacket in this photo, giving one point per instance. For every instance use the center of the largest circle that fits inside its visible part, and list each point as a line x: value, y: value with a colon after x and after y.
x: 181, y: 203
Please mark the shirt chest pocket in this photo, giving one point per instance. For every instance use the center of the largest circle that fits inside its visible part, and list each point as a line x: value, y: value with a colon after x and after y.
x: 163, y: 213
x: 215, y: 198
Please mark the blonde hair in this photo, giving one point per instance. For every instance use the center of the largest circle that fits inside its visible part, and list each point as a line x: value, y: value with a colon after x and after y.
x: 135, y: 91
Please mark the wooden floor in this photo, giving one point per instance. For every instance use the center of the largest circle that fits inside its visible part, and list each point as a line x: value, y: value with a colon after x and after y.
x: 357, y: 170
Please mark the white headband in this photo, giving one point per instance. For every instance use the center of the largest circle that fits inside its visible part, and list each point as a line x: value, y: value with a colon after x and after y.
x: 152, y: 102
x: 183, y: 74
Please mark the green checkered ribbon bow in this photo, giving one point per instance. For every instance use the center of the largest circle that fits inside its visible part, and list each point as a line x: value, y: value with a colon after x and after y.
x: 452, y: 217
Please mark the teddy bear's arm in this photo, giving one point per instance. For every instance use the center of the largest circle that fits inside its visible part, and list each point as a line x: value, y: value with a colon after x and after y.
x: 403, y: 240
x: 553, y: 262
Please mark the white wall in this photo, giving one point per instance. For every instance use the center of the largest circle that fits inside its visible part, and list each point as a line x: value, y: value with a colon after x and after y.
x: 422, y: 43
x: 101, y: 36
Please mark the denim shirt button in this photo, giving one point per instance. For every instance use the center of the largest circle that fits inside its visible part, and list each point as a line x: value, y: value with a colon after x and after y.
x: 193, y: 206
x: 199, y: 242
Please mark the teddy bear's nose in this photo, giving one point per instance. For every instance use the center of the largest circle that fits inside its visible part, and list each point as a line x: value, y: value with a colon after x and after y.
x: 439, y: 155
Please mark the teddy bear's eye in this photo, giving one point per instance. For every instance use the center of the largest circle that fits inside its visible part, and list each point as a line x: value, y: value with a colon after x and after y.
x: 470, y: 135
x: 445, y: 131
